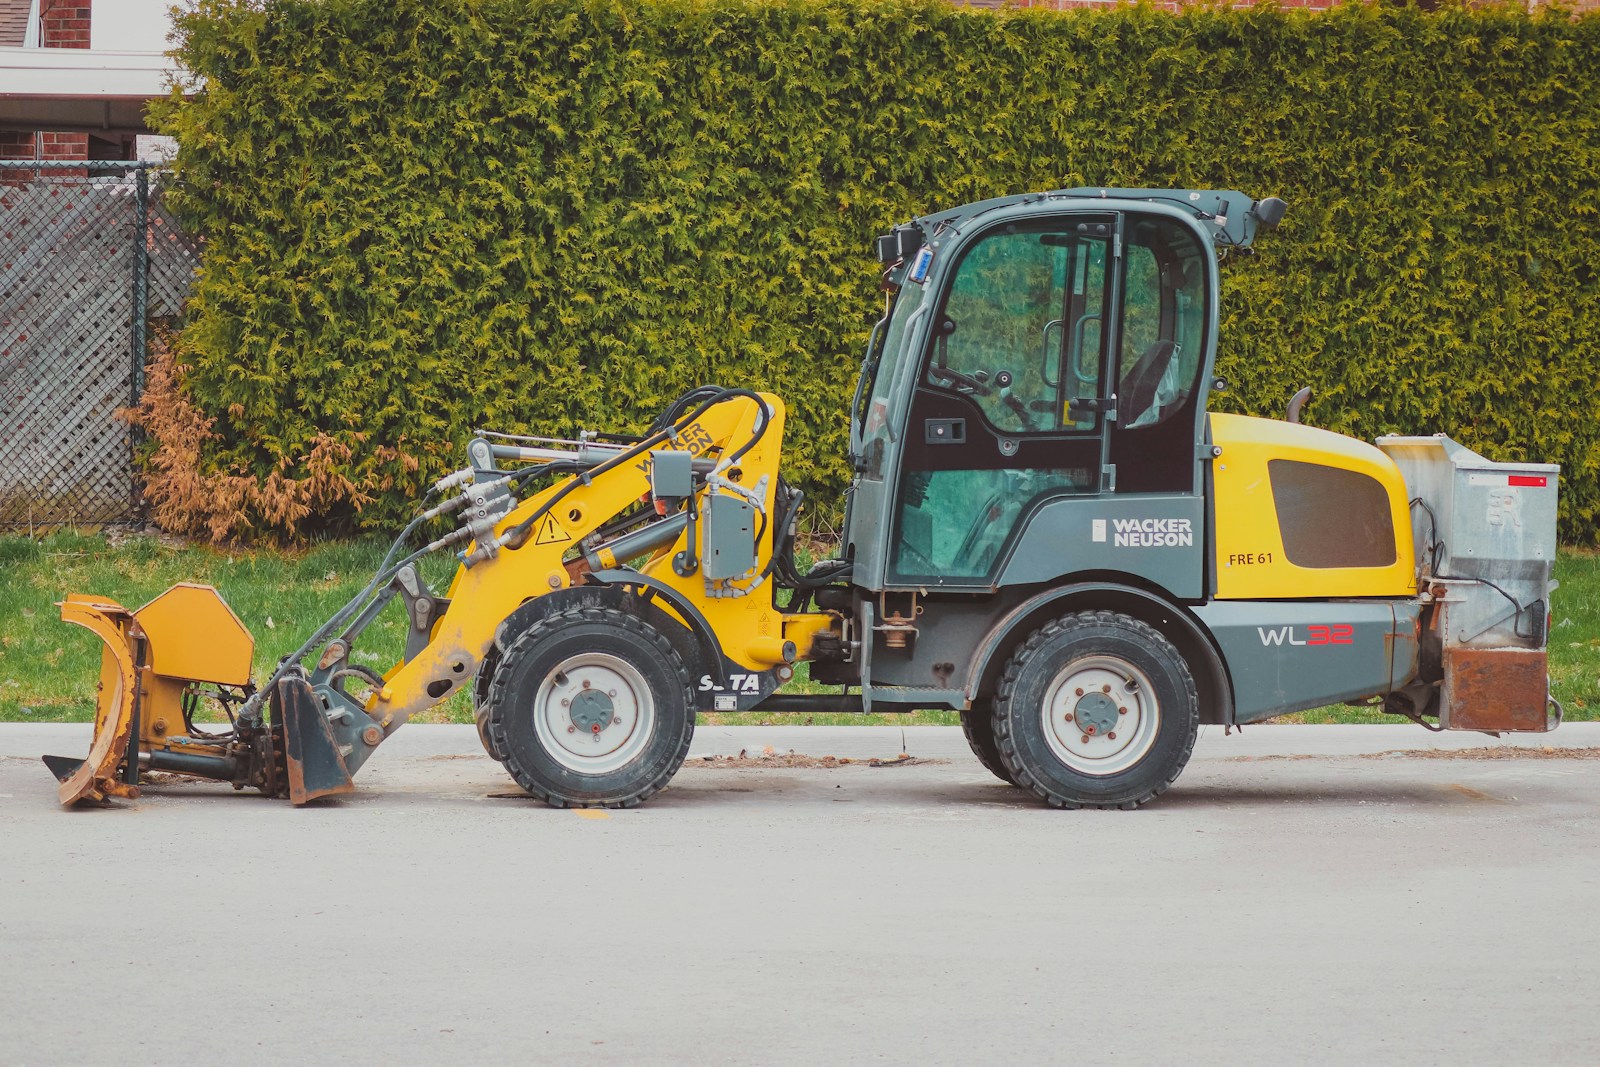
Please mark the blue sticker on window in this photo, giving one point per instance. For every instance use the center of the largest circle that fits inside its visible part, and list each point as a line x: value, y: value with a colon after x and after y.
x: 920, y: 265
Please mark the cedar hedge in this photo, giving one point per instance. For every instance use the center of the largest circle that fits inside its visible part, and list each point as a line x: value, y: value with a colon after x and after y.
x: 423, y: 216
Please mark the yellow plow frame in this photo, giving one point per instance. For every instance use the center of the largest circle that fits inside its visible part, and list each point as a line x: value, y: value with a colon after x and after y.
x: 152, y: 661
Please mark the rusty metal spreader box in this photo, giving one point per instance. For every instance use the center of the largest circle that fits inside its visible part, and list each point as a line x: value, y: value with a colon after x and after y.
x: 1485, y: 536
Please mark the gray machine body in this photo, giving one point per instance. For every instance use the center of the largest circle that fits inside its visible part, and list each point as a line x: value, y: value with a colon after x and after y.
x: 1122, y: 522
x: 1289, y: 655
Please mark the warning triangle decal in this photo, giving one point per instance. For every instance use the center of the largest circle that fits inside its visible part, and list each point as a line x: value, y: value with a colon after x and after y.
x: 551, y: 533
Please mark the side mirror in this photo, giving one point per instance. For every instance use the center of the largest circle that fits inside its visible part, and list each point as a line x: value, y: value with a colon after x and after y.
x: 1269, y: 212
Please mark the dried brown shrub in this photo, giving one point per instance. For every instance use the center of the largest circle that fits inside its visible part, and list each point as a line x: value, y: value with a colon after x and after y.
x: 188, y: 499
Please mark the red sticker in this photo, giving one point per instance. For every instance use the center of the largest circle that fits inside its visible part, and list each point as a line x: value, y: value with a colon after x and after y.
x: 1535, y: 481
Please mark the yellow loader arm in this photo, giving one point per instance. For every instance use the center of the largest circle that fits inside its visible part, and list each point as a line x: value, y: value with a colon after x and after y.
x: 696, y: 506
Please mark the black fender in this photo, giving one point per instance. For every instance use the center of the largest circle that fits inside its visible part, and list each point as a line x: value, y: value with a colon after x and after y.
x: 696, y: 644
x: 1185, y: 631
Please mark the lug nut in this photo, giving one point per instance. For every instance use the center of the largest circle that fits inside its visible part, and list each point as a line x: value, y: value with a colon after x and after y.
x: 565, y: 702
x: 611, y: 692
x: 1089, y: 730
x: 1105, y: 689
x: 1079, y: 692
x: 571, y: 729
x: 1111, y: 736
x: 372, y: 735
x: 1122, y: 711
x: 617, y: 719
x: 586, y: 685
x: 1086, y: 739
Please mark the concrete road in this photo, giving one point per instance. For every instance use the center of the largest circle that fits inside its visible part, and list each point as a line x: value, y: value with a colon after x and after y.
x: 1292, y: 900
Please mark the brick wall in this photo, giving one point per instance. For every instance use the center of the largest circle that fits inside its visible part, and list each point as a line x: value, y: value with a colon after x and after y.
x: 63, y: 146
x: 64, y: 23
x: 15, y: 144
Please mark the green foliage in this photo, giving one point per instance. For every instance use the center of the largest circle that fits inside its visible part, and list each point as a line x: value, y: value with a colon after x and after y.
x: 537, y: 215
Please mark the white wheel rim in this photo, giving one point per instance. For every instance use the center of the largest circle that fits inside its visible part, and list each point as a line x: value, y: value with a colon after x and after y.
x: 568, y: 713
x: 1101, y: 715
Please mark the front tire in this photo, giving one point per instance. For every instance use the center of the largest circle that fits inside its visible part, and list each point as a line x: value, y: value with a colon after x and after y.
x: 480, y: 704
x: 1097, y: 710
x: 591, y: 707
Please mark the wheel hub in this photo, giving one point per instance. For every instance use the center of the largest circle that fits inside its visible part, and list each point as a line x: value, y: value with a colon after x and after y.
x: 1096, y: 714
x: 1101, y: 716
x: 592, y: 711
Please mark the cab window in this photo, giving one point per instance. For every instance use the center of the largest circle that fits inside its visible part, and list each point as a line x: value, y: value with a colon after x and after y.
x: 1020, y: 330
x: 1163, y: 322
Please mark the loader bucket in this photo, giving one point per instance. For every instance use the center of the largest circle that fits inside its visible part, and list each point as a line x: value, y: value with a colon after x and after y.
x: 151, y: 659
x: 315, y: 766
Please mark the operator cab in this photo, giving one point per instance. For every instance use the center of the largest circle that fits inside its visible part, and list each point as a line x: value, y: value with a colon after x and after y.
x: 1036, y: 348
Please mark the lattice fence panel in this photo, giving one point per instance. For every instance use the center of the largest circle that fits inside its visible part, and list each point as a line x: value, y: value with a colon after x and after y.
x: 70, y: 344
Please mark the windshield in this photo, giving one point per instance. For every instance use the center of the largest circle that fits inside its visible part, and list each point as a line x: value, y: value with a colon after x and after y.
x: 882, y: 362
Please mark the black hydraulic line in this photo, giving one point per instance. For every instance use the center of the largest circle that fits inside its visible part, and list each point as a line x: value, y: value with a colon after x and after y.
x: 130, y: 773
x: 760, y: 431
x: 671, y: 413
x: 518, y: 534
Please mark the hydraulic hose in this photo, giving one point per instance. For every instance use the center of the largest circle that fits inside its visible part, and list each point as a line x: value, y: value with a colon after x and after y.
x: 517, y: 534
x: 387, y: 569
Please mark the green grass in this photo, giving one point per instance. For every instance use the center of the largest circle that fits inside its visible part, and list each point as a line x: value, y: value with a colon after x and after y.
x: 48, y: 669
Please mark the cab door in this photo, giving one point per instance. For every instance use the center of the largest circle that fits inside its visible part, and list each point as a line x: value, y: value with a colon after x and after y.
x: 1163, y: 355
x: 1011, y: 401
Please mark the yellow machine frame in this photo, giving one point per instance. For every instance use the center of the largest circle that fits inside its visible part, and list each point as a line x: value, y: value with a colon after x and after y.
x: 1251, y: 563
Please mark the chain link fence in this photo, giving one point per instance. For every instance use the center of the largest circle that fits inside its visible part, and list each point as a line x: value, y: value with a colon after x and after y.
x: 88, y: 258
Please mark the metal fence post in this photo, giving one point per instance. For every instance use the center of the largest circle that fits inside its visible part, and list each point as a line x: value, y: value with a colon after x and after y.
x: 141, y: 299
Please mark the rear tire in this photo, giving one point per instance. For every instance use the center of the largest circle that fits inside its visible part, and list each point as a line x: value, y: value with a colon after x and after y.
x: 591, y: 707
x: 1096, y: 710
x: 977, y: 723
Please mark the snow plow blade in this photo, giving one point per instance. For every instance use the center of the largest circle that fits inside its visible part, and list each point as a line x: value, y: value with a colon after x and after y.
x: 101, y: 775
x: 154, y: 662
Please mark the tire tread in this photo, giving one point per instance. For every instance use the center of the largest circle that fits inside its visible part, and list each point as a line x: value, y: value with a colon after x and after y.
x: 533, y: 635
x: 1007, y: 687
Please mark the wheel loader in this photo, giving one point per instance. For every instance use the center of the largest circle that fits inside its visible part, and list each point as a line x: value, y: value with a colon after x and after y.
x: 1047, y: 532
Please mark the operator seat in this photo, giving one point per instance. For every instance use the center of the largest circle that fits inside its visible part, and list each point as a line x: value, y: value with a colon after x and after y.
x: 1139, y: 384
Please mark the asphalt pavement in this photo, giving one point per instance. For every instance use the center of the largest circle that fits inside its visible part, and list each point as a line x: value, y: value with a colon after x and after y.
x: 1303, y: 894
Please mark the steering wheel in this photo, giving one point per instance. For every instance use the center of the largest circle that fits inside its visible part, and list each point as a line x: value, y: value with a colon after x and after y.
x: 961, y: 380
